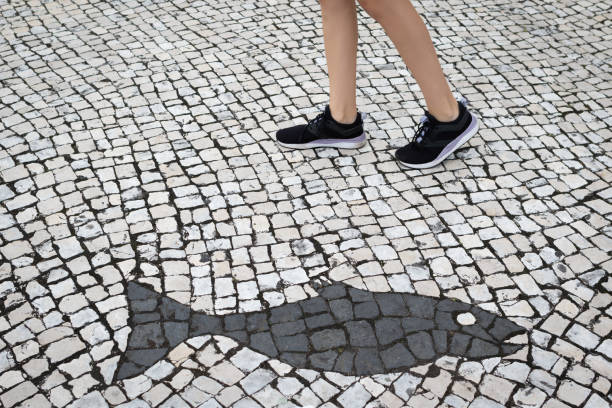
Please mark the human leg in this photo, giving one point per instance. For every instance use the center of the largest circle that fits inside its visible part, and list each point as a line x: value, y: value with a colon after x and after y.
x: 409, y: 34
x: 340, y: 125
x: 340, y: 37
x: 447, y: 123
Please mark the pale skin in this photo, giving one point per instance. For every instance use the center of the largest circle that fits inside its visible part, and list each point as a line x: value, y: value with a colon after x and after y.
x: 408, y: 33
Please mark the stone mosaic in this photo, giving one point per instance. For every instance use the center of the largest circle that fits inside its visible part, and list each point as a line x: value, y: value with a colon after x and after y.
x: 158, y: 249
x: 343, y: 329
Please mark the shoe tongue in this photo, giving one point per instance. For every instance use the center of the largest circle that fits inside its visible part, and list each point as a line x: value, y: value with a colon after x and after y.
x: 327, y: 111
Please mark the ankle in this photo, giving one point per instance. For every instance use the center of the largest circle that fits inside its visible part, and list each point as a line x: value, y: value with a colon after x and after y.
x: 344, y: 116
x: 448, y: 113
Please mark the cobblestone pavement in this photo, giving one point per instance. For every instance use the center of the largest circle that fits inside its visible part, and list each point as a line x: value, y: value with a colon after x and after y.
x: 150, y: 224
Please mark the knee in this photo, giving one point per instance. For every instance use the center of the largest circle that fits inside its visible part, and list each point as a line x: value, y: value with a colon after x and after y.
x: 373, y: 7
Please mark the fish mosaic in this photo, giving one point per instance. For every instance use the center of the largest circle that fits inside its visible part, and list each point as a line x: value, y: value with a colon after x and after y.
x: 346, y: 330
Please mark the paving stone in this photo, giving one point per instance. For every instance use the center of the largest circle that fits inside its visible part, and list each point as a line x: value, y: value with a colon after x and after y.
x: 324, y: 389
x: 579, y: 335
x: 341, y: 309
x: 392, y: 305
x: 319, y: 321
x: 421, y: 345
x: 496, y: 388
x: 154, y: 162
x: 572, y: 393
x: 256, y: 380
x: 314, y: 306
x: 344, y: 362
x: 328, y: 339
x: 466, y: 319
x: 289, y: 385
x: 438, y: 385
x: 405, y: 385
x: 64, y: 348
x: 324, y: 360
x: 297, y: 343
x: 388, y: 330
x: 366, y: 310
x: 595, y: 401
x: 361, y: 334
x: 354, y: 396
x: 513, y: 371
x: 18, y: 394
x: 226, y: 373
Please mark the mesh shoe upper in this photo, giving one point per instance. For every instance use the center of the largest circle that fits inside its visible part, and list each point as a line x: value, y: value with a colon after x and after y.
x: 432, y: 136
x: 323, y: 126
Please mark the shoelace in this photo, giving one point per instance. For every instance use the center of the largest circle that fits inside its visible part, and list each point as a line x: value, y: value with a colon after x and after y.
x: 424, y: 125
x: 313, y: 124
x: 317, y: 120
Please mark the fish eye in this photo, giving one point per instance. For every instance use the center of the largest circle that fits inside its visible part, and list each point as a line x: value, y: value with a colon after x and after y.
x: 466, y: 319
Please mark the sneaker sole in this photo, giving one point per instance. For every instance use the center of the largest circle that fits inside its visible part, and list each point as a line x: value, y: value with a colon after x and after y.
x: 454, y: 145
x: 353, y: 143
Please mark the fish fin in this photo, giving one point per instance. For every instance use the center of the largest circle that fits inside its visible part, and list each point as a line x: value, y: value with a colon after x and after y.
x: 158, y: 324
x: 135, y: 362
x: 508, y: 349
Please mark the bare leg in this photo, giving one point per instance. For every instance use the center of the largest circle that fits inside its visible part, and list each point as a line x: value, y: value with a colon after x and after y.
x: 340, y: 36
x: 409, y: 34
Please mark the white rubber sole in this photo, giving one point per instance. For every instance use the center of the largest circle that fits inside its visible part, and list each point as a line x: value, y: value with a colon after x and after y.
x: 354, y: 143
x: 456, y: 144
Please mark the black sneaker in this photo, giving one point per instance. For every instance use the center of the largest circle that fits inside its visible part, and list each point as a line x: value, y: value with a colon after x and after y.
x: 434, y: 141
x: 323, y: 131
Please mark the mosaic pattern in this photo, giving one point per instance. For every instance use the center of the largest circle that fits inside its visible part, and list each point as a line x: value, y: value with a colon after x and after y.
x: 343, y: 329
x: 137, y: 155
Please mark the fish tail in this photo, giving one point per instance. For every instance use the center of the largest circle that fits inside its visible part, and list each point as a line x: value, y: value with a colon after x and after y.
x: 158, y: 324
